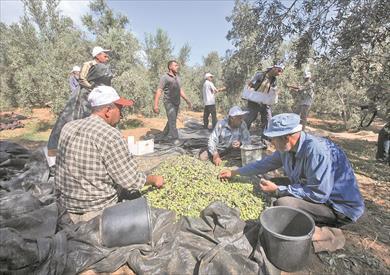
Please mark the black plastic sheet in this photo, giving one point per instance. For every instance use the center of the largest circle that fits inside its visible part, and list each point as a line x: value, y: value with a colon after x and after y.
x: 37, y: 236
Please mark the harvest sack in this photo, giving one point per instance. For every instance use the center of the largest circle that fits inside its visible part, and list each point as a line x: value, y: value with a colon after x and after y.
x: 269, y: 98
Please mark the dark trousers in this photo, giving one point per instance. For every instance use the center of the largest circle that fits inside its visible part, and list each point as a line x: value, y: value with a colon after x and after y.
x: 256, y: 108
x: 303, y: 112
x: 383, y: 151
x: 209, y: 109
x: 321, y: 213
x: 170, y: 129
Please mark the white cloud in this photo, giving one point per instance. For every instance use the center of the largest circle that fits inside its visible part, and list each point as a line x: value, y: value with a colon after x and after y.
x: 74, y: 9
x: 12, y: 10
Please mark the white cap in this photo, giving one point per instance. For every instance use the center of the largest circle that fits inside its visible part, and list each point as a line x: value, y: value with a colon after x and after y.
x: 280, y: 66
x: 76, y: 69
x: 236, y: 111
x: 207, y: 75
x: 103, y: 95
x: 307, y: 74
x: 98, y: 50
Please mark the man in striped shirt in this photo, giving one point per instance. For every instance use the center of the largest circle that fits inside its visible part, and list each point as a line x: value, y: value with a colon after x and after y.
x: 93, y: 160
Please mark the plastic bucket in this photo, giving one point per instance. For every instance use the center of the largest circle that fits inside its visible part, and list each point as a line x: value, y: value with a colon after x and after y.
x: 250, y: 153
x: 286, y: 235
x: 126, y: 223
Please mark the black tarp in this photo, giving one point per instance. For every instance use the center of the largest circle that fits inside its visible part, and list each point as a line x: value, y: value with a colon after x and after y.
x: 37, y: 236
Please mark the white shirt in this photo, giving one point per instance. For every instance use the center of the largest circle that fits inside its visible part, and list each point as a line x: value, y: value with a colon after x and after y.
x: 209, y: 91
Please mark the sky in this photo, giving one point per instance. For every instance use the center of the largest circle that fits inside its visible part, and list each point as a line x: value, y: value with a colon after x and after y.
x: 199, y: 23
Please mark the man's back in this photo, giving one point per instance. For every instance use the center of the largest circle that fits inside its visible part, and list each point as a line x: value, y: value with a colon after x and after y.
x: 92, y: 158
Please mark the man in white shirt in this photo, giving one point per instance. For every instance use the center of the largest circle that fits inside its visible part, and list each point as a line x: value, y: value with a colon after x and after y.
x: 209, y: 92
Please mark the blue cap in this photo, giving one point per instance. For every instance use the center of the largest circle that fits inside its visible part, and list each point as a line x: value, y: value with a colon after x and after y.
x: 283, y: 124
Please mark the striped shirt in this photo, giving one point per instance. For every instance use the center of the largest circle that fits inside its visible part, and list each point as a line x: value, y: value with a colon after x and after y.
x: 92, y: 159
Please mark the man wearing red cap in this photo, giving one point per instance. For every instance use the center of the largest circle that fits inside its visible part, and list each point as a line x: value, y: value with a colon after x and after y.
x: 94, y: 167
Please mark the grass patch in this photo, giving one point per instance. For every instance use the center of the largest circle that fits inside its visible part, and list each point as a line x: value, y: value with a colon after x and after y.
x: 130, y: 124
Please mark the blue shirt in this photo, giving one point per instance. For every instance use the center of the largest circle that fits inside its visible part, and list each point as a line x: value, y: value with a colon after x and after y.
x: 321, y: 174
x: 223, y: 136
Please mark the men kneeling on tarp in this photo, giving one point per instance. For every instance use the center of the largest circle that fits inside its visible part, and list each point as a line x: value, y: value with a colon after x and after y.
x: 227, y: 137
x: 94, y: 166
x: 321, y: 180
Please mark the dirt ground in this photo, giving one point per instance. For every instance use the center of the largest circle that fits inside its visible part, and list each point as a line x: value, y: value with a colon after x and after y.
x: 367, y: 249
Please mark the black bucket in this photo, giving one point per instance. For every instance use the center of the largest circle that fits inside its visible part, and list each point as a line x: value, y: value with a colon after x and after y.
x: 286, y: 235
x: 126, y: 223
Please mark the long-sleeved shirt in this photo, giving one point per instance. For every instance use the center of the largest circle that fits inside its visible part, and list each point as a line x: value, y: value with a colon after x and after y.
x: 92, y: 159
x: 223, y: 136
x: 83, y: 80
x: 319, y: 172
x: 73, y: 84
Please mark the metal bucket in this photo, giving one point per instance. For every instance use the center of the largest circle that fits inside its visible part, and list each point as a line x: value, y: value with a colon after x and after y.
x: 286, y: 235
x: 250, y: 153
x: 126, y: 223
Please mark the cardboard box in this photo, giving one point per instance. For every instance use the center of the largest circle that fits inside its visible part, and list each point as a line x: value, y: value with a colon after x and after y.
x: 141, y: 147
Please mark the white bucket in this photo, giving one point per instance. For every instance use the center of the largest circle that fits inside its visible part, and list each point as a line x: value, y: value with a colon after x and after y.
x: 250, y: 153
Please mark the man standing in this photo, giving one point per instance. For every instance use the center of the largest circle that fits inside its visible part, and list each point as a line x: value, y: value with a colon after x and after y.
x: 74, y: 80
x: 304, y: 99
x: 227, y: 137
x: 264, y: 82
x: 93, y: 74
x: 94, y: 162
x: 171, y: 87
x: 321, y: 180
x: 208, y: 93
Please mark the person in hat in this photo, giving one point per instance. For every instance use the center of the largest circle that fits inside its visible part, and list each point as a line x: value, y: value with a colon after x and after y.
x: 94, y: 166
x: 320, y: 179
x: 74, y: 80
x: 170, y: 87
x: 304, y: 98
x: 93, y: 74
x: 227, y: 137
x: 264, y: 82
x: 208, y: 93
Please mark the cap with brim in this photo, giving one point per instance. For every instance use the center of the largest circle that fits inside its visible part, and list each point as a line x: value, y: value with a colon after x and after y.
x: 124, y: 102
x: 283, y: 124
x: 103, y: 95
x: 207, y: 75
x: 236, y: 111
x: 98, y: 50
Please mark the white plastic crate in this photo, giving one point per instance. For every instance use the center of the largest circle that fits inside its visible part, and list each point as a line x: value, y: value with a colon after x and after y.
x: 141, y: 147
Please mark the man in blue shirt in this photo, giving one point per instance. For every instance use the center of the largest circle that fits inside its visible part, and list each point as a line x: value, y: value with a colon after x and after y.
x: 321, y: 179
x: 227, y: 137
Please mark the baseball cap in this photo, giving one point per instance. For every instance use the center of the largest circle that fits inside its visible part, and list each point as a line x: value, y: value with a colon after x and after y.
x: 236, y: 111
x: 103, y: 95
x: 207, y: 75
x: 283, y: 124
x: 279, y: 66
x: 75, y: 69
x: 98, y: 50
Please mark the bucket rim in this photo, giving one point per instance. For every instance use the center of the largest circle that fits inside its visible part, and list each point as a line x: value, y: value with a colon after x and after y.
x: 284, y: 237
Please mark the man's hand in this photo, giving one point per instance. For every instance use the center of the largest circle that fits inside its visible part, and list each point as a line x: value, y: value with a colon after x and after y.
x: 157, y: 181
x: 217, y: 161
x: 189, y: 104
x: 236, y: 144
x: 267, y: 186
x: 156, y: 110
x: 227, y: 174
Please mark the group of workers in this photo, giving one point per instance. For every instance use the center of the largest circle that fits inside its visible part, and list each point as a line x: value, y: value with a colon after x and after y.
x: 94, y: 166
